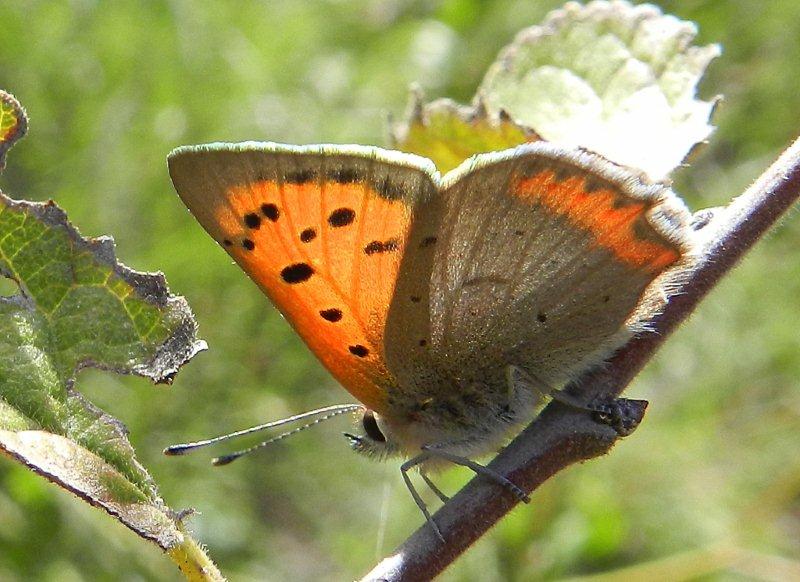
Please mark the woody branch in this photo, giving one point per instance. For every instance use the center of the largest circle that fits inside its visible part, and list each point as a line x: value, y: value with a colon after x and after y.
x: 562, y: 436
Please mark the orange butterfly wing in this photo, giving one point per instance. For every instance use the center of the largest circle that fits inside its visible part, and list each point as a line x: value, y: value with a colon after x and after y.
x: 322, y: 231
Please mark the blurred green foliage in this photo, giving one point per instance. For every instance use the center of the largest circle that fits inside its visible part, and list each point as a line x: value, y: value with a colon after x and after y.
x: 708, y: 487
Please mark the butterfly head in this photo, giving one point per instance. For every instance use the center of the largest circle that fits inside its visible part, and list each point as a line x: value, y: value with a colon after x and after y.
x: 374, y: 437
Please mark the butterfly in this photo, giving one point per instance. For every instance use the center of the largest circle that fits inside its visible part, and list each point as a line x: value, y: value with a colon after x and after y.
x: 449, y: 305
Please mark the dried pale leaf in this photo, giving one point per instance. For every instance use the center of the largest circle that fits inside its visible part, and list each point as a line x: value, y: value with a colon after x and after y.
x: 611, y: 77
x: 68, y: 464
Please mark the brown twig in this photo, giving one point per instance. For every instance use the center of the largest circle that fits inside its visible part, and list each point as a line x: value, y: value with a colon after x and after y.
x: 562, y: 436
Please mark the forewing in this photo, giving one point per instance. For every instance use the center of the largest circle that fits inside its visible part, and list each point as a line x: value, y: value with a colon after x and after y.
x: 321, y: 230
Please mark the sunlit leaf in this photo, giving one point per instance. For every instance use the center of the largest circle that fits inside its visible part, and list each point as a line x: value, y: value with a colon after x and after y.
x: 449, y: 133
x: 611, y: 77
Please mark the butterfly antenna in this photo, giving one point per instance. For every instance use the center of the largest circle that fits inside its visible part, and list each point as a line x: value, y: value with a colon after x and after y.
x: 225, y: 459
x: 325, y: 413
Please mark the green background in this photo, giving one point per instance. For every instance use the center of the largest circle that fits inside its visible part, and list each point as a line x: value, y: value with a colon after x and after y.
x: 708, y: 487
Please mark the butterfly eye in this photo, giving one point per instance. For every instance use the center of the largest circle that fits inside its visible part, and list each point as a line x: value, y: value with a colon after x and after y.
x: 371, y: 427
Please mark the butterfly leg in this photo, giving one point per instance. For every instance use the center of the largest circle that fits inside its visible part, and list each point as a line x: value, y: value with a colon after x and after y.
x: 404, y: 468
x: 434, y: 488
x: 478, y: 469
x: 622, y: 414
x: 518, y: 378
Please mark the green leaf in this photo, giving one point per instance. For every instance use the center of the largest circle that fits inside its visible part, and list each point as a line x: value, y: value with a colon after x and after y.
x: 76, y: 307
x: 610, y: 77
x: 449, y: 133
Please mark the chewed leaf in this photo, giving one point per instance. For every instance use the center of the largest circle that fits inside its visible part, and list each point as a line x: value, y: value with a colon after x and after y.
x: 449, y: 133
x: 614, y: 78
x: 13, y: 124
x: 85, y: 474
x: 77, y: 307
x: 81, y: 306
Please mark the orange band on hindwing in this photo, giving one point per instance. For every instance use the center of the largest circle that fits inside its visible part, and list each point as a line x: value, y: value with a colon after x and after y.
x: 617, y: 222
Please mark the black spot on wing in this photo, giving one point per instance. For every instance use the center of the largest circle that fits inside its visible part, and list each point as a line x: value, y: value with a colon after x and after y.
x: 341, y: 217
x: 359, y: 350
x: 252, y: 220
x: 376, y: 246
x: 428, y: 241
x: 248, y: 244
x: 333, y: 315
x: 389, y: 189
x: 300, y: 176
x: 297, y: 273
x: 308, y: 235
x: 345, y: 175
x: 270, y: 211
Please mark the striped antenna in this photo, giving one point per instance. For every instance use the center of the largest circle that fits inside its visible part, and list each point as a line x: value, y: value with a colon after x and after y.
x: 324, y: 414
